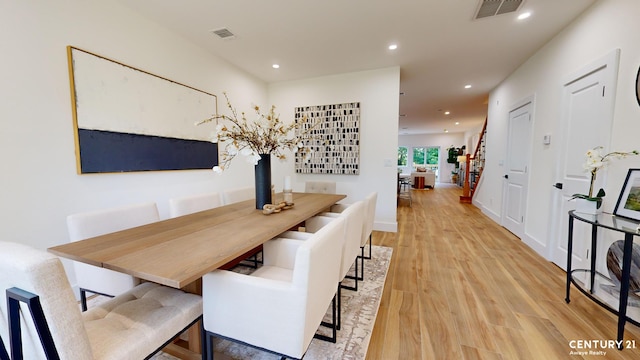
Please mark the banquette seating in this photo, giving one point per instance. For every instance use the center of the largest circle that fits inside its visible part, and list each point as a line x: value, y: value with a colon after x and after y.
x: 46, y: 322
x: 90, y: 224
x: 279, y: 307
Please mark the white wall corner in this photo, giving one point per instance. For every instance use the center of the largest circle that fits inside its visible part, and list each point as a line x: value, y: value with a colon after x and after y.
x: 386, y: 226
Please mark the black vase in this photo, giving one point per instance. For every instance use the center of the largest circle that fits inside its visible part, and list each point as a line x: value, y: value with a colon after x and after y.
x: 263, y: 181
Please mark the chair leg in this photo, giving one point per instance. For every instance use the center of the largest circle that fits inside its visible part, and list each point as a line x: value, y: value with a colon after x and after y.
x: 368, y: 257
x: 339, y: 307
x: 207, y: 346
x: 83, y: 299
x: 332, y: 325
x: 361, y: 276
x: 354, y: 278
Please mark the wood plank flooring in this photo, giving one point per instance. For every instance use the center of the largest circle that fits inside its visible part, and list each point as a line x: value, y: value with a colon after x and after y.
x: 462, y: 287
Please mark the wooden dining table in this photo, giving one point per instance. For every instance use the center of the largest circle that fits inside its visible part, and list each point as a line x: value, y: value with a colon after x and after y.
x: 177, y: 252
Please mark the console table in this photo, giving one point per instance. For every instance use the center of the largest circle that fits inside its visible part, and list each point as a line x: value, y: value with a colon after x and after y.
x: 613, y: 223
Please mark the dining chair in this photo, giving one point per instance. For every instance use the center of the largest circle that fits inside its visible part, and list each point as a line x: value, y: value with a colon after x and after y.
x: 367, y: 226
x: 40, y: 317
x: 353, y: 217
x: 238, y: 194
x: 279, y: 307
x: 323, y: 187
x: 85, y: 225
x: 194, y: 203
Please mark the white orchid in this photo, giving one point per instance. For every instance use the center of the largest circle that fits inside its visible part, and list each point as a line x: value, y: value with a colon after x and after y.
x: 596, y: 161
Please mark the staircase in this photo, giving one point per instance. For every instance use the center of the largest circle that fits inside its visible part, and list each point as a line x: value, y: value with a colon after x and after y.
x: 477, y: 160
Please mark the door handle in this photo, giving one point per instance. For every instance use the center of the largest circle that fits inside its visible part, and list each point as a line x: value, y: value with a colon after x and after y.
x: 558, y: 186
x: 506, y: 176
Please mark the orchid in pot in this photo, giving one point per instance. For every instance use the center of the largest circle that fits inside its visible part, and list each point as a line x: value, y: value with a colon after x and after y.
x: 595, y: 161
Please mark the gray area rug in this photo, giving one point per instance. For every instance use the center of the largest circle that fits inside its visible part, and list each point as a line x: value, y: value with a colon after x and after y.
x: 359, y: 310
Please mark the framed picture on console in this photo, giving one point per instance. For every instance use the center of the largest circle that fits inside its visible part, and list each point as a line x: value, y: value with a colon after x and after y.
x: 628, y: 204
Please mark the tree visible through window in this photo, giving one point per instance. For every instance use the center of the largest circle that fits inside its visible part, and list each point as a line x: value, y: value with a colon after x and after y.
x: 403, y: 156
x: 426, y: 157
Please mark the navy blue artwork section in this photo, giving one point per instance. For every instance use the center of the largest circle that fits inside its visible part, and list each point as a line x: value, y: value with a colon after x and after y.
x: 107, y: 151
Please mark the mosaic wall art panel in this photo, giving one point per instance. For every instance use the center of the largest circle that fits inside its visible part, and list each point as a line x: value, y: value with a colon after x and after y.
x: 335, y: 142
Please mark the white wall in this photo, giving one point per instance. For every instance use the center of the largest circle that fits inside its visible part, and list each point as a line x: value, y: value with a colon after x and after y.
x: 606, y: 26
x: 444, y: 141
x: 377, y: 91
x: 39, y: 185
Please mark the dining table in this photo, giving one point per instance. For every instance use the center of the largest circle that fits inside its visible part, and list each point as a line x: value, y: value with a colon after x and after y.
x: 177, y: 252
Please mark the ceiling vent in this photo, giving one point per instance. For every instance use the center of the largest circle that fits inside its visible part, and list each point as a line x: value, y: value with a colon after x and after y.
x: 489, y: 8
x: 223, y: 33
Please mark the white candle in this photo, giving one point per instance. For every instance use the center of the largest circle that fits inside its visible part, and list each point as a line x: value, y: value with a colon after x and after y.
x: 287, y: 183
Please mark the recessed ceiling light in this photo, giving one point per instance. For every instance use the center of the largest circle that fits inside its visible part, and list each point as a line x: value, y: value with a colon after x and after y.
x: 467, y: 86
x: 393, y: 47
x: 275, y: 66
x: 447, y: 112
x: 524, y: 15
x: 457, y: 123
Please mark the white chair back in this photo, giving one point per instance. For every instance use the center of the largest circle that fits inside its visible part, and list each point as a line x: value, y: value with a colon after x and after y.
x: 239, y: 194
x: 367, y: 229
x: 354, y: 216
x: 194, y: 203
x: 42, y: 274
x: 322, y: 187
x: 90, y: 224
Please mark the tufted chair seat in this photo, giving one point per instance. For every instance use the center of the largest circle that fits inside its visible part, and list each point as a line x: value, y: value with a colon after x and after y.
x: 133, y: 325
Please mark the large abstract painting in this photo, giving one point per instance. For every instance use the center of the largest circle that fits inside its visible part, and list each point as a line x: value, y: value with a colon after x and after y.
x: 335, y: 142
x: 127, y: 119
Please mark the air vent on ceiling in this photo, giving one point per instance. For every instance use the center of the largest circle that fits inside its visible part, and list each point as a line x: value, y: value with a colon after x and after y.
x: 496, y: 7
x: 223, y: 33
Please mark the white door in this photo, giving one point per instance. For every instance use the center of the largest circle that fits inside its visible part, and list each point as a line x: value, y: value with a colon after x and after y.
x: 587, y: 103
x: 518, y: 155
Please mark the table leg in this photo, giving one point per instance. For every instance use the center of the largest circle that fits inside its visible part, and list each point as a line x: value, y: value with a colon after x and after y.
x: 624, y: 287
x: 193, y: 349
x: 569, y: 252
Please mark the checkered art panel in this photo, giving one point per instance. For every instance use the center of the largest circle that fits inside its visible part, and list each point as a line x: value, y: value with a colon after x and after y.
x: 335, y: 139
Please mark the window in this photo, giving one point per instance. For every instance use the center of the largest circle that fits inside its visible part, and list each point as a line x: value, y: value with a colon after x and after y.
x: 426, y: 157
x: 403, y: 156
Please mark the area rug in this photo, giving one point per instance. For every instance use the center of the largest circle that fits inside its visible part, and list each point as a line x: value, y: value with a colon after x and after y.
x: 359, y: 310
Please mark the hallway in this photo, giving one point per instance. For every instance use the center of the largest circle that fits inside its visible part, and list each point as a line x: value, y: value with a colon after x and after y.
x: 462, y: 287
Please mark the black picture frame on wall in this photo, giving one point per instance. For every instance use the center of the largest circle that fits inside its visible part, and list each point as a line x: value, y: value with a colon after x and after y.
x: 628, y: 204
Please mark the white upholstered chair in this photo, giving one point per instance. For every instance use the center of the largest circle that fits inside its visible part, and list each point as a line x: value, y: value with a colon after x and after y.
x: 280, y: 306
x: 81, y: 226
x: 238, y: 194
x: 367, y: 226
x: 133, y: 325
x: 194, y: 203
x: 323, y: 187
x: 354, y: 217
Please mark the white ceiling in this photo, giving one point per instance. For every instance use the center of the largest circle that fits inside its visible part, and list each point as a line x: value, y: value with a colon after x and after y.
x: 441, y: 47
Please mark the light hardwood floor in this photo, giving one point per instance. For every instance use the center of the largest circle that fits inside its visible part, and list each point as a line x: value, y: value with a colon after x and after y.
x: 462, y: 287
